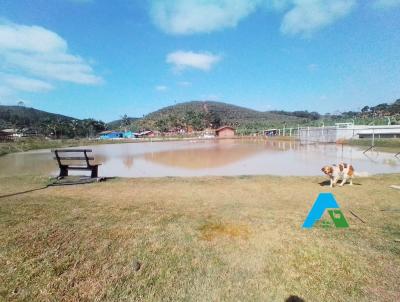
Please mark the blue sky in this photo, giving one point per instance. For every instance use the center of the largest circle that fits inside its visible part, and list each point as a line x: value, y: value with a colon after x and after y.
x: 103, y: 59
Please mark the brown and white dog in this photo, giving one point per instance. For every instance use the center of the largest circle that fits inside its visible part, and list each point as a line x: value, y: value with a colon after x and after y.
x: 342, y: 171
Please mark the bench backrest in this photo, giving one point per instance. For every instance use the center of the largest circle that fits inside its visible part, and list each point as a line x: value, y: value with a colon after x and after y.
x: 85, y: 157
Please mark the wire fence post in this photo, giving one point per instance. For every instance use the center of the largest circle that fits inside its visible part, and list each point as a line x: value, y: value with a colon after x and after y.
x: 373, y: 137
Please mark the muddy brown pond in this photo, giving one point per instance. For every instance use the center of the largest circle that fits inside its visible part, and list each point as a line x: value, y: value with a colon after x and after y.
x: 209, y: 157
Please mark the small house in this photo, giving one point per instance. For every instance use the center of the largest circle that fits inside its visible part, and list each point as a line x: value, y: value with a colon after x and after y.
x: 12, y: 132
x: 5, y: 136
x: 115, y: 134
x: 225, y: 131
x: 28, y: 132
x: 147, y: 133
x: 271, y: 132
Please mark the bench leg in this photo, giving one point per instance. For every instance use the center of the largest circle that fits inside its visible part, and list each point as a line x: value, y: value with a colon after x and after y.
x: 95, y: 170
x: 63, y: 171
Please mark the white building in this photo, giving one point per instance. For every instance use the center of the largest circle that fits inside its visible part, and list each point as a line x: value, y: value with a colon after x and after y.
x: 346, y: 131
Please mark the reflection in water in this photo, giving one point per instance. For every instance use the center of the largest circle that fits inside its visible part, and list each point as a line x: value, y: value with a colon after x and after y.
x: 391, y: 162
x: 37, y: 163
x: 219, y: 154
x: 215, y: 157
x: 128, y: 161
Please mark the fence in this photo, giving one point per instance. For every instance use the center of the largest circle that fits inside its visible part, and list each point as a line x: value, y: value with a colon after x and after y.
x: 333, y: 134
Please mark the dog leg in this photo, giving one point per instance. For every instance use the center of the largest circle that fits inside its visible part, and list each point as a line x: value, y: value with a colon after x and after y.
x: 331, y: 185
x: 343, y: 182
x: 351, y: 181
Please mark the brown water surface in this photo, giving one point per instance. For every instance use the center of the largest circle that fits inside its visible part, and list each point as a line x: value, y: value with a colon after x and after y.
x: 209, y: 157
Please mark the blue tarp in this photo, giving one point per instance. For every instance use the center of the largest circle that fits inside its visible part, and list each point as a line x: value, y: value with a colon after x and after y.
x: 116, y: 134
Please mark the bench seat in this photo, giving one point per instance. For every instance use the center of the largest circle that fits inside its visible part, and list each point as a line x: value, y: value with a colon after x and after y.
x: 85, y: 159
x: 81, y: 167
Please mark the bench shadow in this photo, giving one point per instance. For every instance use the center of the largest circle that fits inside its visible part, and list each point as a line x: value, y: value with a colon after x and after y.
x: 82, y: 181
x: 294, y: 298
x: 23, y: 192
x: 75, y: 180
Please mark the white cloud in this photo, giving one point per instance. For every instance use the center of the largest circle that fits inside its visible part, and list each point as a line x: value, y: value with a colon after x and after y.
x: 203, y: 16
x: 210, y: 97
x: 182, y: 60
x: 185, y: 84
x: 54, y: 66
x: 199, y: 16
x: 312, y: 67
x: 384, y: 4
x: 21, y: 83
x: 277, y: 5
x: 161, y: 88
x: 308, y: 16
x: 15, y: 37
x: 33, y: 51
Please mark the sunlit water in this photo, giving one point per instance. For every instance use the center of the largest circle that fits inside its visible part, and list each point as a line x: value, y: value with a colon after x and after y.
x: 211, y: 157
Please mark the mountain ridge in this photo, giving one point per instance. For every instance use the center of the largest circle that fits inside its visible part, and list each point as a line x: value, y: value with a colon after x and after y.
x: 204, y: 114
x: 23, y: 116
x: 198, y: 115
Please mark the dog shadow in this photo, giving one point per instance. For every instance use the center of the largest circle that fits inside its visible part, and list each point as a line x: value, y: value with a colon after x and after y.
x: 328, y: 183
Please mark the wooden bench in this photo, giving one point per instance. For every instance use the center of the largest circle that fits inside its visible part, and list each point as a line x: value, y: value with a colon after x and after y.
x: 84, y: 160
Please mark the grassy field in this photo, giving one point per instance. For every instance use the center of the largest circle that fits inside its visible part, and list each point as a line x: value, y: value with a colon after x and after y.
x: 197, y: 239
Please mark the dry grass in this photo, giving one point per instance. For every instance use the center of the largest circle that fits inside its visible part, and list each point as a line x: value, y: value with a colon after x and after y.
x: 197, y: 239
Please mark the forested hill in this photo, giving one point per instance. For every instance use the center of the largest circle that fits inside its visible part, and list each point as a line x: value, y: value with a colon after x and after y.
x: 124, y: 121
x: 45, y: 123
x: 201, y: 114
x: 197, y: 115
x: 20, y: 116
x: 227, y: 112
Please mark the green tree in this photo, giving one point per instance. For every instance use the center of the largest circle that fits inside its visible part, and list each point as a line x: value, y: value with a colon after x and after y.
x: 213, y: 119
x: 195, y: 119
x: 125, y: 122
x: 162, y: 125
x: 365, y: 109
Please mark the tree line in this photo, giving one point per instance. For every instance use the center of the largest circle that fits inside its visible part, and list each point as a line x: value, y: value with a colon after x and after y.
x: 55, y: 126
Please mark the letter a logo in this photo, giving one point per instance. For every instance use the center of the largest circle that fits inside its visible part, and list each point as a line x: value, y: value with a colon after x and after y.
x: 325, y: 201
